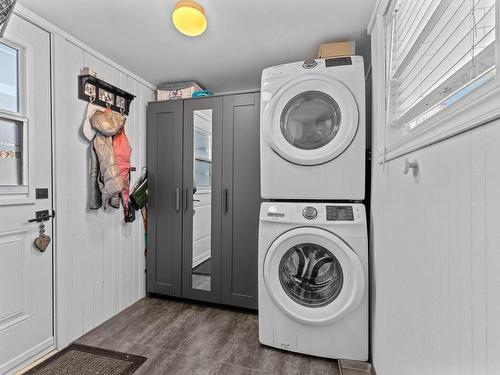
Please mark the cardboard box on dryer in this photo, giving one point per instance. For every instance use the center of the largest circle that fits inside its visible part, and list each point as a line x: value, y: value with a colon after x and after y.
x: 336, y: 49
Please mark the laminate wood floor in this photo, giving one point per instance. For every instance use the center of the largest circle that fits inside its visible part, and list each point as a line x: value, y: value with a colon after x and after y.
x: 182, y: 338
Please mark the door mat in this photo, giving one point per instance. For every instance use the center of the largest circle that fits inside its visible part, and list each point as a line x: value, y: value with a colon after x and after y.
x: 203, y: 269
x: 87, y: 360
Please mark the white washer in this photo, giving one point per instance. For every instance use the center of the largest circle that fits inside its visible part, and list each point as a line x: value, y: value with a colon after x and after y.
x: 313, y: 130
x: 313, y: 279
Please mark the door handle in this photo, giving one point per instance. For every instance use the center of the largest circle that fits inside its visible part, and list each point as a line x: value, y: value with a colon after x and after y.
x: 41, y: 216
x: 226, y: 200
x: 177, y: 199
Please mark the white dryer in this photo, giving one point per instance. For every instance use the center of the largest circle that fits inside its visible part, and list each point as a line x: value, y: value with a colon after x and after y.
x: 313, y: 279
x: 313, y: 130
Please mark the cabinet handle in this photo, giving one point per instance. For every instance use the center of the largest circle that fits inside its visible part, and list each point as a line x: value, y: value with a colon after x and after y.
x: 226, y: 200
x: 177, y: 199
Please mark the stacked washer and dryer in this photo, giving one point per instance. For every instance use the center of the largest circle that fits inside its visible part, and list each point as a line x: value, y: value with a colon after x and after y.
x: 313, y: 246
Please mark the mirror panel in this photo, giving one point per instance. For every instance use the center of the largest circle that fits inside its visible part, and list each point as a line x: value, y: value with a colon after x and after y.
x: 202, y: 200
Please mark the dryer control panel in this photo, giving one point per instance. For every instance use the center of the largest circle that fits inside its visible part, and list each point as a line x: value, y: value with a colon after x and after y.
x: 338, y: 61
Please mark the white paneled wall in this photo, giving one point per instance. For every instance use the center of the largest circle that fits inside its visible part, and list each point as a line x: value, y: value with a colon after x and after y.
x: 435, y: 249
x: 436, y: 259
x: 100, y: 259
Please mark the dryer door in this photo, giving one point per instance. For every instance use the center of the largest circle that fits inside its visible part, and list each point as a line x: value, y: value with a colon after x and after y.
x: 313, y: 275
x: 311, y: 120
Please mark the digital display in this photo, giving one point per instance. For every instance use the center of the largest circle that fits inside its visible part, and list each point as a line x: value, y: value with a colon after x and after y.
x: 338, y: 61
x: 339, y: 213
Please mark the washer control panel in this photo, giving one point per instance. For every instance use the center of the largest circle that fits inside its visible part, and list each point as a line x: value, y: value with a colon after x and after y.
x: 309, y: 212
x: 339, y: 213
x: 329, y: 213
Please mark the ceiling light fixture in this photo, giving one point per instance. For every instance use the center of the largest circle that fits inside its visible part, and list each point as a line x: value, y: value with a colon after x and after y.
x: 189, y: 18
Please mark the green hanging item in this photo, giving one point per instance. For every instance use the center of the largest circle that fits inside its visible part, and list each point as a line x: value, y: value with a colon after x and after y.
x: 139, y: 196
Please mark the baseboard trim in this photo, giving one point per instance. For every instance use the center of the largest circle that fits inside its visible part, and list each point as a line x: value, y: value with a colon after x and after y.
x: 27, y: 357
x: 37, y: 362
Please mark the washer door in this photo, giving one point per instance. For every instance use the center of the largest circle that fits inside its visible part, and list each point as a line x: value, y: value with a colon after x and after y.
x: 313, y: 276
x: 311, y: 120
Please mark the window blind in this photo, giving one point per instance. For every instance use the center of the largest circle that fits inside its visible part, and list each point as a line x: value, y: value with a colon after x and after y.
x: 438, y: 51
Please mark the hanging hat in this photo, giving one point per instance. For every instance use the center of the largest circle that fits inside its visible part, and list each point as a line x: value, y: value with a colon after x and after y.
x: 88, y: 131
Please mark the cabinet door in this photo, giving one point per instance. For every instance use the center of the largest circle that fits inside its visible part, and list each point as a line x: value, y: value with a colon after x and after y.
x: 241, y: 197
x: 164, y: 164
x: 202, y: 199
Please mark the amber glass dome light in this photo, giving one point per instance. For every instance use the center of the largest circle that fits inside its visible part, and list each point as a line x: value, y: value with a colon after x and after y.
x: 189, y: 18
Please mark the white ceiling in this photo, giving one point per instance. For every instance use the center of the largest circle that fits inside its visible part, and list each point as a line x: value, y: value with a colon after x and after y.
x: 242, y: 37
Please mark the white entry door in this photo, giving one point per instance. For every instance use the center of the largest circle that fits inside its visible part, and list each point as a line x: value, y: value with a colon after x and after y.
x: 26, y: 298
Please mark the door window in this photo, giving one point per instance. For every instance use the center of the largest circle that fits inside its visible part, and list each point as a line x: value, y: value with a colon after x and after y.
x: 13, y: 134
x: 311, y: 275
x: 11, y: 155
x: 9, y: 78
x: 310, y: 120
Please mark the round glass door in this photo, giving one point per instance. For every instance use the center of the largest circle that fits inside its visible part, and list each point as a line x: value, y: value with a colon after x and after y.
x: 310, y: 120
x: 311, y: 275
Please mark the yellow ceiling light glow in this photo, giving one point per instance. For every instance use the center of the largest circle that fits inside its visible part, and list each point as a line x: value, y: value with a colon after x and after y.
x: 189, y: 18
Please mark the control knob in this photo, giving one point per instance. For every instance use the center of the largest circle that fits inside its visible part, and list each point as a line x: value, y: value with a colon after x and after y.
x: 309, y: 212
x: 309, y: 64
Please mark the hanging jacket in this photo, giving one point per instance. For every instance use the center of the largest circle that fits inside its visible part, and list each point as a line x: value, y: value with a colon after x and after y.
x: 95, y: 201
x: 107, y: 124
x: 109, y: 179
x: 95, y: 198
x: 123, y: 151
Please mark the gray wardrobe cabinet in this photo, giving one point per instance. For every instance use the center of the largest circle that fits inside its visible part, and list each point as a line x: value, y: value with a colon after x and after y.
x: 234, y: 197
x: 164, y: 165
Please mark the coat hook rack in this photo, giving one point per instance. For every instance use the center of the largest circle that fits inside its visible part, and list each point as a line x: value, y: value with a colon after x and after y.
x: 95, y: 90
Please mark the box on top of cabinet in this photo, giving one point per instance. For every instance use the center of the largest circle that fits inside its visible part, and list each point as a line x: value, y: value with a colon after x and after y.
x: 179, y: 90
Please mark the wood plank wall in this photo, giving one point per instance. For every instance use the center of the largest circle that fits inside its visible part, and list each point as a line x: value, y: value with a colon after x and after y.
x: 100, y: 259
x: 435, y: 250
x: 436, y: 259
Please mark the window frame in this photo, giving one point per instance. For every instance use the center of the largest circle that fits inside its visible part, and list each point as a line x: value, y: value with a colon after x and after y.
x: 21, y: 80
x: 475, y: 109
x: 24, y: 193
